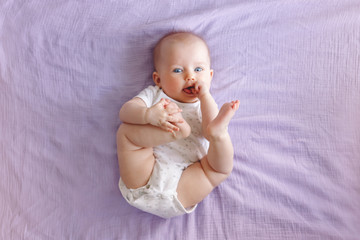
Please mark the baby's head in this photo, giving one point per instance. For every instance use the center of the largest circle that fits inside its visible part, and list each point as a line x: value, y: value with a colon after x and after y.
x: 181, y: 59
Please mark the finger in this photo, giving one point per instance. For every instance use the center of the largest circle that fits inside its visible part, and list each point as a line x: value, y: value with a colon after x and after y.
x: 171, y: 131
x: 193, y: 91
x: 235, y: 104
x: 161, y: 102
x: 174, y: 119
x: 172, y: 111
x: 168, y: 126
x: 172, y: 105
x: 197, y: 88
x: 164, y: 102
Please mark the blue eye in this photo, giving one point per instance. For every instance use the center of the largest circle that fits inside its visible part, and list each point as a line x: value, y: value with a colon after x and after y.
x: 198, y: 69
x: 177, y: 70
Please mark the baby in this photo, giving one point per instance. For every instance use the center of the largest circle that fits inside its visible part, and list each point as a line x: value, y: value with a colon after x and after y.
x: 173, y: 145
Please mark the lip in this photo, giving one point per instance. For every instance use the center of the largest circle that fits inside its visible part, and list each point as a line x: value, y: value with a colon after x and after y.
x: 188, y: 91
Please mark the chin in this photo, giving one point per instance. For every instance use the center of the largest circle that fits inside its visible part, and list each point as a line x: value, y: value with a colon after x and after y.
x: 195, y: 99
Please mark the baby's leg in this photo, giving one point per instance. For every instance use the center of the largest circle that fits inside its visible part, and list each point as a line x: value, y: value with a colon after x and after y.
x: 213, y: 168
x: 135, y: 150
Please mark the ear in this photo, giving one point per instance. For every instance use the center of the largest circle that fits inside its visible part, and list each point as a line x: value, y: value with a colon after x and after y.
x: 156, y: 79
x: 211, y: 74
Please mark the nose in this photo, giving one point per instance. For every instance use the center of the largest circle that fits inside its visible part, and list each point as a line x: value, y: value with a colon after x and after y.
x: 190, y: 77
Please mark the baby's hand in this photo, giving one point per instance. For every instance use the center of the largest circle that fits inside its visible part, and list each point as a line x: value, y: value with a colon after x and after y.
x: 200, y: 89
x: 163, y: 114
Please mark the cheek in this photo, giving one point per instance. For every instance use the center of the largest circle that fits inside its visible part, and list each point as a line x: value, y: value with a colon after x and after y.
x: 171, y: 85
x: 174, y: 86
x: 206, y: 77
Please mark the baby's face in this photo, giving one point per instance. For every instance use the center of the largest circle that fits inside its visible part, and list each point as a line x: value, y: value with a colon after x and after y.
x: 181, y: 63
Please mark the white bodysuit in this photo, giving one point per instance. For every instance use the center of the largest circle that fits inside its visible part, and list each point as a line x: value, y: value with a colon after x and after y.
x: 159, y: 195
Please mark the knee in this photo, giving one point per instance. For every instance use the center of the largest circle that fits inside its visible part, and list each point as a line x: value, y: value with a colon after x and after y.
x: 216, y: 177
x: 223, y: 170
x: 227, y: 170
x: 223, y: 175
x: 121, y: 132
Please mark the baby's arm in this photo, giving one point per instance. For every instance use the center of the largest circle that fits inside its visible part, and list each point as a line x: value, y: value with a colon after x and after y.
x: 133, y: 112
x: 162, y: 114
x: 209, y: 108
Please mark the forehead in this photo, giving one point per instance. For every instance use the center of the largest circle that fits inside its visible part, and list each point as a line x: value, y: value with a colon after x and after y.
x: 180, y: 42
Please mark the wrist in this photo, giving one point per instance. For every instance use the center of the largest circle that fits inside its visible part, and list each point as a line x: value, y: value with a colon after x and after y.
x: 146, y: 116
x: 204, y: 96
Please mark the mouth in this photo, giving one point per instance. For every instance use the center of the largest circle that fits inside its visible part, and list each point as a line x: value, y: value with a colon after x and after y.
x: 189, y: 90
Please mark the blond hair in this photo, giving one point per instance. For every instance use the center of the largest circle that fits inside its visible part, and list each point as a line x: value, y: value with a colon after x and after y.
x: 177, y: 36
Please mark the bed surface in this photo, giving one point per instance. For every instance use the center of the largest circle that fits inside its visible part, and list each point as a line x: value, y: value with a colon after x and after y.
x: 66, y: 68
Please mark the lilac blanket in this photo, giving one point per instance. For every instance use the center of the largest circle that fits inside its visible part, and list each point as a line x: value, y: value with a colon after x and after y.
x: 66, y: 67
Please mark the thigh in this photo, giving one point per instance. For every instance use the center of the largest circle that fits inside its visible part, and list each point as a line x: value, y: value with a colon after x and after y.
x: 135, y: 151
x: 135, y: 162
x: 197, y: 181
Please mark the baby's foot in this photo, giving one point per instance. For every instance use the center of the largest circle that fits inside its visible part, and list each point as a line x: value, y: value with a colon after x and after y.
x: 218, y: 127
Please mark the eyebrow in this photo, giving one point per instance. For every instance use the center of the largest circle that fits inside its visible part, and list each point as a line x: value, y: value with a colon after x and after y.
x: 202, y: 64
x: 199, y: 64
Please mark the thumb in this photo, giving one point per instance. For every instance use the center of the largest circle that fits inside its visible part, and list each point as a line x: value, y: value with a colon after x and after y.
x: 164, y: 102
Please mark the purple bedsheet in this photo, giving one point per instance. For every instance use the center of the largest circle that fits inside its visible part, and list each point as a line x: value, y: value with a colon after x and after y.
x: 66, y: 67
